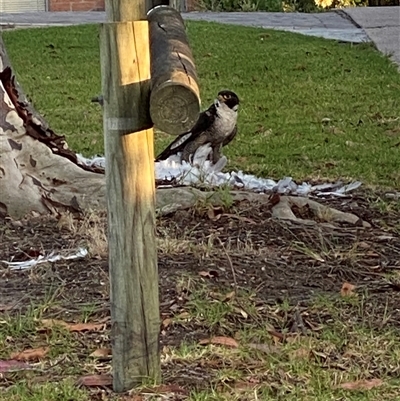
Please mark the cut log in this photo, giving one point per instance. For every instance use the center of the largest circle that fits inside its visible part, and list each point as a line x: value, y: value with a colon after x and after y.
x: 175, y: 96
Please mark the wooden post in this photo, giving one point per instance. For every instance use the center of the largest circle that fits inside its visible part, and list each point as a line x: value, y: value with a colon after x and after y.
x: 175, y: 97
x: 129, y: 151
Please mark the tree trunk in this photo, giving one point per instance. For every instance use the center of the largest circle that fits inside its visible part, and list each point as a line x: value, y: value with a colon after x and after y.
x: 38, y: 173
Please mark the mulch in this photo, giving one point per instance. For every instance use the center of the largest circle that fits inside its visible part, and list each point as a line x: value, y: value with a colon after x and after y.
x: 241, y: 249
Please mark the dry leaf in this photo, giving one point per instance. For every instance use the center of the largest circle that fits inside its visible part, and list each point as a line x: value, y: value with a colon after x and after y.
x: 216, y: 295
x: 13, y: 366
x: 362, y: 384
x: 313, y: 326
x: 220, y: 297
x: 347, y: 290
x: 212, y: 215
x: 276, y: 335
x: 227, y: 341
x: 95, y: 380
x: 300, y: 353
x: 209, y: 274
x: 320, y: 354
x: 49, y: 323
x: 241, y: 312
x: 183, y: 315
x: 30, y: 354
x: 86, y: 327
x: 102, y: 353
x: 229, y: 296
x: 166, y: 322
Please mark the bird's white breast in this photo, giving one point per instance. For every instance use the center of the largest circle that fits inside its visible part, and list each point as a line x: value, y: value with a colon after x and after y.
x: 226, y: 119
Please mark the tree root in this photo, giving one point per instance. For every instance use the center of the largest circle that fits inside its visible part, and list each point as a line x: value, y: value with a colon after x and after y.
x: 284, y: 210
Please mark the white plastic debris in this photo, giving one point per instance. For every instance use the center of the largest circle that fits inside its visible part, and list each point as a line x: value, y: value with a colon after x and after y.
x: 52, y: 257
x: 96, y: 161
x: 202, y: 171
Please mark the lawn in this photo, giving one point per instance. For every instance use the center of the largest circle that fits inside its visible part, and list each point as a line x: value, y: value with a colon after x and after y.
x: 310, y: 108
x: 252, y: 307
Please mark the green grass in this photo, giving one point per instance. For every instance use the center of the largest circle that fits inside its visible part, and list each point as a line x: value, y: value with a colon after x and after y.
x: 310, y: 108
x: 346, y: 347
x: 65, y: 390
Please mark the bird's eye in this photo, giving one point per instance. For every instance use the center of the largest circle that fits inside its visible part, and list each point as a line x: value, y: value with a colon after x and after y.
x: 227, y: 96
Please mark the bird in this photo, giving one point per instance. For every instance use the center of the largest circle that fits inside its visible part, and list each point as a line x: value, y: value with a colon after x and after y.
x: 217, y: 125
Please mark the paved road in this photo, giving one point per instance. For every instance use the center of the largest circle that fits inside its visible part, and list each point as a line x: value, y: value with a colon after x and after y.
x: 379, y: 24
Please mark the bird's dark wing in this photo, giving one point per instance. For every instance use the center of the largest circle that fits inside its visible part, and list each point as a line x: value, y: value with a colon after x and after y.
x: 205, y: 120
x: 176, y: 146
x: 230, y: 137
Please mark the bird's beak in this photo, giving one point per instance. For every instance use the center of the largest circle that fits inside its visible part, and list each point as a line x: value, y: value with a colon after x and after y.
x: 221, y: 98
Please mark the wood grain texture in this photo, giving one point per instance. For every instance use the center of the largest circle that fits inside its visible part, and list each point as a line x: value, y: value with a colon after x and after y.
x: 126, y: 87
x: 129, y: 150
x: 175, y: 95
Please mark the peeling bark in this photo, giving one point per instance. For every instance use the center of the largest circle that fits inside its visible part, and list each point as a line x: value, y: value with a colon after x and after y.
x: 38, y: 173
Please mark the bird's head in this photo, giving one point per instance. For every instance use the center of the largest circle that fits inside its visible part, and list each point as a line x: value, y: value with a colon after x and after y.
x: 229, y: 98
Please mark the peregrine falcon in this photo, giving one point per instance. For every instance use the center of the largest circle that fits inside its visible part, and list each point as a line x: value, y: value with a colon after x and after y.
x: 216, y: 125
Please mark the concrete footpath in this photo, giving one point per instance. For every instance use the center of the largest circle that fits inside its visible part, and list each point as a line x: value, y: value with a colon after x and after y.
x: 378, y: 24
x: 382, y: 25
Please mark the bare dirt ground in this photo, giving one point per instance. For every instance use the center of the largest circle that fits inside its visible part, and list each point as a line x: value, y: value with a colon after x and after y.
x: 214, y: 250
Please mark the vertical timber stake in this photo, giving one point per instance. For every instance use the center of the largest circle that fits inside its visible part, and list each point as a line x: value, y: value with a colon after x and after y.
x: 129, y: 150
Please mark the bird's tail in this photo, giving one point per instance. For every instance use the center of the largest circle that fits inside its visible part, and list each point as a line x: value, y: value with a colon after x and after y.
x: 174, y: 147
